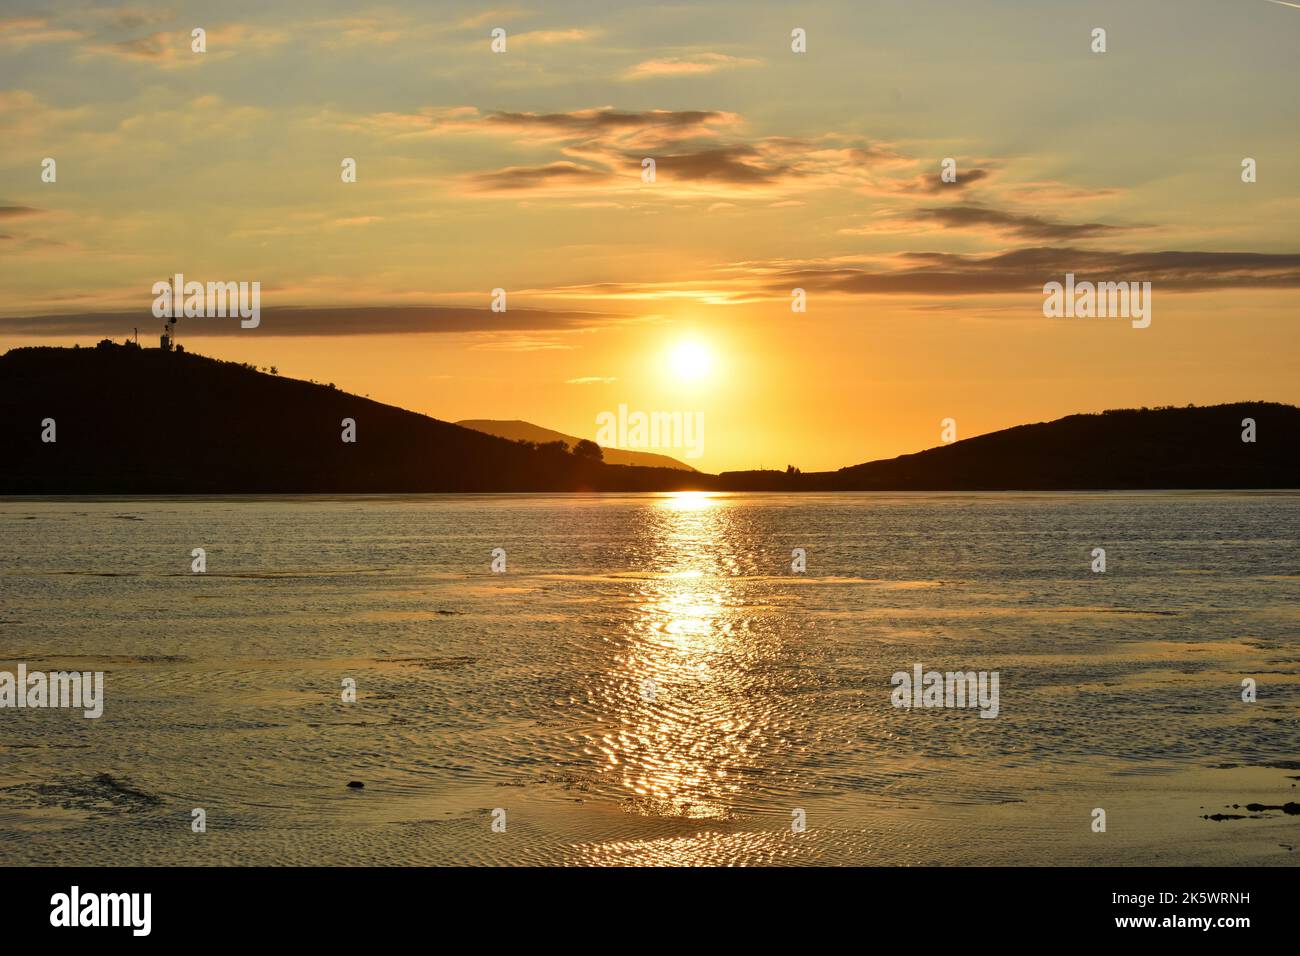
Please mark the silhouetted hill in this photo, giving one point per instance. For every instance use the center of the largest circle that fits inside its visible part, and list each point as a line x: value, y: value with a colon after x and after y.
x: 517, y: 430
x: 1130, y: 448
x: 146, y: 421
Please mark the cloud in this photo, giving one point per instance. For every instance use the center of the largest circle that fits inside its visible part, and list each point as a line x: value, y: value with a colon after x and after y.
x: 701, y: 153
x: 935, y: 273
x: 591, y: 380
x: 291, y: 322
x: 15, y: 212
x: 946, y: 274
x: 521, y: 344
x: 29, y: 245
x: 974, y: 216
x: 1053, y: 191
x: 931, y: 184
x: 515, y: 178
x: 154, y: 48
x: 699, y: 149
x: 608, y: 123
x: 727, y: 291
x: 687, y: 66
x: 173, y: 48
x: 25, y: 117
x: 20, y: 32
x: 551, y: 37
x: 737, y: 164
x: 604, y: 124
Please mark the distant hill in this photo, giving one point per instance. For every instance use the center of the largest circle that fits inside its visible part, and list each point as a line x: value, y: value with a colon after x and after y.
x: 146, y: 421
x: 517, y: 430
x: 1129, y: 448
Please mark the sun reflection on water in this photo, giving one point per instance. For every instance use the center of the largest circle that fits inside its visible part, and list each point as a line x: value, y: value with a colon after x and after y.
x: 690, y: 721
x: 690, y: 500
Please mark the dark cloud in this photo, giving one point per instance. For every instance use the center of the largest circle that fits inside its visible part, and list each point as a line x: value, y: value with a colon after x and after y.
x: 974, y: 215
x: 559, y: 174
x: 13, y: 212
x: 931, y: 184
x: 277, y: 322
x: 739, y: 164
x: 704, y: 147
x: 1025, y: 269
x: 153, y: 47
x: 732, y: 165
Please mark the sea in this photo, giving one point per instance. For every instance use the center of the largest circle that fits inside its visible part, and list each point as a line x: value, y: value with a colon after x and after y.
x: 658, y: 679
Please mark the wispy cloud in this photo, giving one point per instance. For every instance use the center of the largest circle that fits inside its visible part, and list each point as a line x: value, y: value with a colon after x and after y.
x: 603, y: 124
x: 945, y: 274
x: 173, y: 48
x: 158, y: 47
x: 15, y: 212
x: 1026, y: 226
x: 930, y: 184
x: 519, y: 178
x: 696, y: 65
x: 552, y: 37
x: 704, y: 151
x: 19, y: 32
x: 291, y: 322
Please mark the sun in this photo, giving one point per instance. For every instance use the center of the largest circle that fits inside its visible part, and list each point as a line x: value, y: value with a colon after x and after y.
x: 690, y: 361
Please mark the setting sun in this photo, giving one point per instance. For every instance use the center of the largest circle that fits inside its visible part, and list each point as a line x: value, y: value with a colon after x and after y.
x: 690, y: 361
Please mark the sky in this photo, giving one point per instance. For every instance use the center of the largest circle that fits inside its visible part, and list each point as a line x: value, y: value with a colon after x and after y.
x: 775, y: 170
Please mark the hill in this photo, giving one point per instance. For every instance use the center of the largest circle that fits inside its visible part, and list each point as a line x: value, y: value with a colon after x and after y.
x: 1129, y: 448
x: 517, y: 430
x: 147, y: 421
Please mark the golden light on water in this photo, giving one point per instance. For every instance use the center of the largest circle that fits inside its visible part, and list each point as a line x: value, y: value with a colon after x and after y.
x: 679, y: 743
x: 690, y: 500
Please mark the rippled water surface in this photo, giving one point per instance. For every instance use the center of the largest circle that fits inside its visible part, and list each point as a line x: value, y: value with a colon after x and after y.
x: 648, y: 681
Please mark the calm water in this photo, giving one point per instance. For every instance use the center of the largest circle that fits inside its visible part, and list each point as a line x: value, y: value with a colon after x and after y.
x: 525, y: 691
